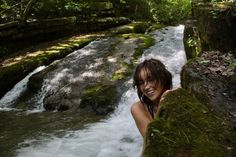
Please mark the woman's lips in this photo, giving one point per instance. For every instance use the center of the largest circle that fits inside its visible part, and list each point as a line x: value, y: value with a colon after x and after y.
x: 149, y: 93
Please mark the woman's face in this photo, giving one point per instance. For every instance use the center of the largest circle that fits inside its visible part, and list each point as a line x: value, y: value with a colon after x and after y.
x: 150, y: 87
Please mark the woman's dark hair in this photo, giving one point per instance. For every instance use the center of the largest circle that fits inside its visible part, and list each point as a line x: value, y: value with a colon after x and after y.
x: 157, y: 71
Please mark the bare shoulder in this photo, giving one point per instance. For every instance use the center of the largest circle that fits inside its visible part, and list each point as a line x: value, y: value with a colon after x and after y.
x: 136, y: 107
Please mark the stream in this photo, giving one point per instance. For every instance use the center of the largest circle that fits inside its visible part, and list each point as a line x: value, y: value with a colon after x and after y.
x: 114, y: 136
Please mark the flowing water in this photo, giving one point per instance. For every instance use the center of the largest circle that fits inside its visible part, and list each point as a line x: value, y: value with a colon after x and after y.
x: 10, y: 97
x: 117, y: 135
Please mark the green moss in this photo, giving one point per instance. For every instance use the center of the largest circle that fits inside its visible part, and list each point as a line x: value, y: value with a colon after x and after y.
x: 118, y: 75
x: 127, y: 69
x: 124, y: 72
x: 156, y: 26
x: 99, y: 98
x: 148, y: 42
x: 183, y: 126
x: 192, y: 43
x: 233, y: 64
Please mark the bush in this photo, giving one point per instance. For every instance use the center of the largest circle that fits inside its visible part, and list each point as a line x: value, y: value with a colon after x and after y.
x: 170, y: 11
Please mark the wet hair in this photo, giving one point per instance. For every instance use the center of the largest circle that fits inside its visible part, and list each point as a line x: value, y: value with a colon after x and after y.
x: 156, y: 71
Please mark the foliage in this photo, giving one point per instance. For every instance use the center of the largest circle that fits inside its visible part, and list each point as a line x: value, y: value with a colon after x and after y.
x: 170, y: 11
x: 9, y: 10
x: 134, y: 9
x: 233, y: 64
x: 49, y: 9
x: 77, y: 7
x: 167, y: 11
x: 212, y: 1
x: 191, y: 42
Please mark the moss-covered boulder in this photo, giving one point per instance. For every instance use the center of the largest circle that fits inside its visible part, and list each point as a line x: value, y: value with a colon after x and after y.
x: 99, y: 98
x: 216, y: 25
x: 93, y: 85
x: 185, y: 127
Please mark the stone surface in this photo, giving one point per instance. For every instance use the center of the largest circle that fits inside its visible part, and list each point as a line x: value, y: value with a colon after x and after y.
x: 186, y: 127
x: 216, y: 26
x: 211, y: 78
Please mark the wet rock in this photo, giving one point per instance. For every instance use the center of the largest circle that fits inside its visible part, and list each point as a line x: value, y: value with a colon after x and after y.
x: 99, y: 99
x: 89, y: 80
x: 181, y: 128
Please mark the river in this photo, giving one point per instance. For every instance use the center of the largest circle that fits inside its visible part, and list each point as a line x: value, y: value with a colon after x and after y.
x: 117, y: 135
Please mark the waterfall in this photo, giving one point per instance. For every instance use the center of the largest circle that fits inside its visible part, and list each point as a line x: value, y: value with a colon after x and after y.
x: 116, y: 136
x: 10, y: 97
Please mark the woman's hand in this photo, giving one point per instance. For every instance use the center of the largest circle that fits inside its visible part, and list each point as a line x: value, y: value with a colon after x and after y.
x: 168, y: 91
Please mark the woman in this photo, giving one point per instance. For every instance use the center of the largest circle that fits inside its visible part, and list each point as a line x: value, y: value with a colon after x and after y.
x: 151, y: 79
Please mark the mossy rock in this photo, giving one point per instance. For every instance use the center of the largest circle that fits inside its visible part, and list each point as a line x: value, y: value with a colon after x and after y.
x: 194, y: 82
x: 99, y: 98
x: 216, y: 26
x: 148, y: 42
x: 217, y: 89
x: 191, y: 40
x: 185, y: 127
x: 145, y: 41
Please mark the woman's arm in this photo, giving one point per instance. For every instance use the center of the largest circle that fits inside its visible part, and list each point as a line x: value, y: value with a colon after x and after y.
x: 141, y: 117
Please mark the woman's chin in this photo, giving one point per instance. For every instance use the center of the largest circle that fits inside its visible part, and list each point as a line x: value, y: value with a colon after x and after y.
x: 153, y: 99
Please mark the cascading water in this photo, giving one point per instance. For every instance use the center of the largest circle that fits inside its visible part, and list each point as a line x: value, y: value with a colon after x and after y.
x: 10, y: 97
x: 117, y: 136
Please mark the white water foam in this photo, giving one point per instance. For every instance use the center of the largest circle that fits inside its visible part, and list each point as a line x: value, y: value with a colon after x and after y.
x: 10, y: 97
